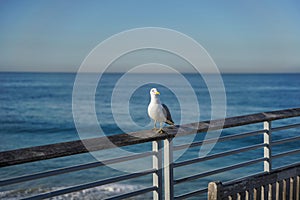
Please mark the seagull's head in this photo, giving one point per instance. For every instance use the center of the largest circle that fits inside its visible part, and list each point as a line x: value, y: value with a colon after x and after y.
x: 154, y: 92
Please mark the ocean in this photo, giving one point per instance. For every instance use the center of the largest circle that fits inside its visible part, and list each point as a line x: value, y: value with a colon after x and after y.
x: 36, y: 109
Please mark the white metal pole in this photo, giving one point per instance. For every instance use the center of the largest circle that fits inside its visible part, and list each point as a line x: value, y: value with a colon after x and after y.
x: 267, y: 148
x: 168, y: 169
x: 157, y: 164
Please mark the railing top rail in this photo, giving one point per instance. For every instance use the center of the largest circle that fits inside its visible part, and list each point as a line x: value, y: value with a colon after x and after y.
x: 31, y: 154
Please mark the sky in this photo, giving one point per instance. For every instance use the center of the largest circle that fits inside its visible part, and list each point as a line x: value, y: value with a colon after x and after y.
x: 240, y: 36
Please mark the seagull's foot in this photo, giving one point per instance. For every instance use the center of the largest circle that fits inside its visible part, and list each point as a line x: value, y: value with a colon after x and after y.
x: 161, y: 131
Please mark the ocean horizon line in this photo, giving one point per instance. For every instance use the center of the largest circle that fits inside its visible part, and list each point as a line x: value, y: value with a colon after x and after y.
x: 163, y: 73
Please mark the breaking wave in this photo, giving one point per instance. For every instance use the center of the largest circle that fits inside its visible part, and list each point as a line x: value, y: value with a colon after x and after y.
x: 96, y: 193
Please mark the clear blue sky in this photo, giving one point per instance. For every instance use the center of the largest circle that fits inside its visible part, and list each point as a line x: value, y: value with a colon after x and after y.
x: 241, y: 36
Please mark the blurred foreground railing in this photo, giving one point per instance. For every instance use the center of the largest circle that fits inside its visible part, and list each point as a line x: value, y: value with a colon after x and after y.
x: 163, y: 164
x: 283, y: 183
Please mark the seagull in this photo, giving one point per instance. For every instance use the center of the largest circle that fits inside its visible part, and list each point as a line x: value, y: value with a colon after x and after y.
x: 158, y: 112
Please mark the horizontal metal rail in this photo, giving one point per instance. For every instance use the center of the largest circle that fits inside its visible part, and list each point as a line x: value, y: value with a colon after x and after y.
x: 288, y: 153
x: 72, y: 169
x: 218, y: 155
x: 231, y: 152
x: 293, y: 139
x: 91, y: 185
x: 191, y: 194
x: 221, y: 139
x: 285, y: 127
x: 217, y: 171
x: 132, y: 194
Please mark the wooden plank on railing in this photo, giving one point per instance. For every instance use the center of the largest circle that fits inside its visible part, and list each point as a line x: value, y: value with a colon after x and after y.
x: 24, y: 155
x: 37, y: 153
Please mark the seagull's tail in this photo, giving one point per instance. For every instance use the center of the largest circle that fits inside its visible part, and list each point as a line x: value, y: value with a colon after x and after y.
x: 170, y: 122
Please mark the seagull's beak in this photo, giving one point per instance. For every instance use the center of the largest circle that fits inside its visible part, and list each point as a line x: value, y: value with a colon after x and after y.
x: 157, y: 93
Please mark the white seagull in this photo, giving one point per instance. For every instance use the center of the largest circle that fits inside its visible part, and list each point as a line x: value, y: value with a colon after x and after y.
x: 158, y: 112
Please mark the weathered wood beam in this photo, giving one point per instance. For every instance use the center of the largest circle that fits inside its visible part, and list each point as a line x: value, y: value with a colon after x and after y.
x: 31, y: 154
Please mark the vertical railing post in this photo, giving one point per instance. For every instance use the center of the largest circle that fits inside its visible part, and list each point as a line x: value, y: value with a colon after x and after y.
x: 168, y: 169
x: 157, y: 164
x: 268, y: 147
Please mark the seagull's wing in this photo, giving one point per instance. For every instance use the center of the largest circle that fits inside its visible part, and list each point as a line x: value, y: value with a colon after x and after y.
x: 167, y: 115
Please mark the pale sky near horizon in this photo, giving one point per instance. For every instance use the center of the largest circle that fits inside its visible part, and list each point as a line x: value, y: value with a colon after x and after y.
x: 240, y: 36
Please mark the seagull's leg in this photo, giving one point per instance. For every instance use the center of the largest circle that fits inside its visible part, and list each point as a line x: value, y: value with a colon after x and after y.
x: 154, y: 125
x: 160, y: 128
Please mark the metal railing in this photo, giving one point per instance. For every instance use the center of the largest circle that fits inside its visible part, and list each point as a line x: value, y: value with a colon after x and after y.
x: 164, y: 167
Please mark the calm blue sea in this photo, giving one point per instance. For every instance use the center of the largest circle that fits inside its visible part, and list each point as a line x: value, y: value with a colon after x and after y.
x: 36, y: 109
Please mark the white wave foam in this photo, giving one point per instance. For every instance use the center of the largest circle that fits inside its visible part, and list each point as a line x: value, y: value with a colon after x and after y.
x: 91, y: 194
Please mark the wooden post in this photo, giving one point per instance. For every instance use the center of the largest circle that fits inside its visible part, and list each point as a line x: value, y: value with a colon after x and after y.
x: 214, y: 191
x: 157, y: 164
x: 168, y: 169
x: 267, y: 148
x: 284, y: 190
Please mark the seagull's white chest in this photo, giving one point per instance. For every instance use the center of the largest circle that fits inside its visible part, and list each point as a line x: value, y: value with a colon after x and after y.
x: 155, y: 111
